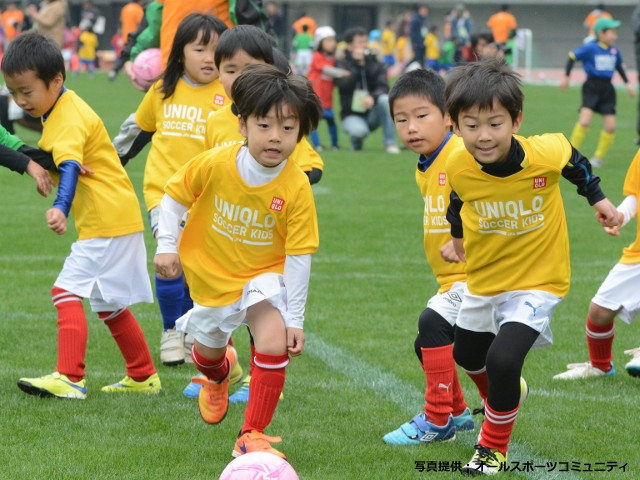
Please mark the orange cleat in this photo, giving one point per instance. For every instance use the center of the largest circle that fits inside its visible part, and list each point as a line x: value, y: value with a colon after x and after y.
x: 254, y: 441
x: 213, y: 398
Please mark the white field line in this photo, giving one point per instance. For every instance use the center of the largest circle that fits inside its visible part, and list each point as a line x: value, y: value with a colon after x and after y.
x: 406, y: 396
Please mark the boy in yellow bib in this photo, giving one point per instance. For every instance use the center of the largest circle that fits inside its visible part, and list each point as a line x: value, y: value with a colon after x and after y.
x: 246, y: 246
x: 507, y: 205
x: 107, y: 263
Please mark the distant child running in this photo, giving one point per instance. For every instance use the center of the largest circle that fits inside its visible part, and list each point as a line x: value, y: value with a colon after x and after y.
x: 246, y: 246
x: 322, y: 72
x: 618, y: 296
x: 173, y: 115
x: 506, y: 200
x: 416, y: 102
x: 601, y: 59
x: 107, y: 263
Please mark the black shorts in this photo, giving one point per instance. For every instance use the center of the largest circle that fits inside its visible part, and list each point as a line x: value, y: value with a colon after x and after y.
x: 599, y: 95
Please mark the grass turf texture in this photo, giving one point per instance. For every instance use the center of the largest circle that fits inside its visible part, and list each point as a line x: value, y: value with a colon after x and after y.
x: 358, y: 378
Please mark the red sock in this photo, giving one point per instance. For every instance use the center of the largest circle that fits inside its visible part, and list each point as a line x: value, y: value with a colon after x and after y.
x: 73, y: 333
x: 131, y: 342
x: 600, y: 343
x: 214, y: 369
x: 459, y: 404
x: 267, y: 381
x: 496, y: 428
x: 439, y: 367
x: 482, y: 382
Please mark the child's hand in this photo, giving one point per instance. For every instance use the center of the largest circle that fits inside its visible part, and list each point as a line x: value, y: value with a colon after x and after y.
x: 448, y: 253
x: 44, y: 182
x: 564, y: 83
x: 295, y: 341
x: 128, y: 69
x: 615, y: 230
x: 167, y: 265
x: 631, y: 89
x: 86, y: 171
x: 606, y: 213
x: 57, y: 220
x: 458, y: 245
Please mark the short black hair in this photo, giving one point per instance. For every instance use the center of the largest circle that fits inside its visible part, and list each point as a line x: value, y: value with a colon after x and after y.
x: 422, y: 83
x: 353, y: 32
x: 257, y: 43
x: 480, y: 84
x: 35, y: 52
x: 260, y: 87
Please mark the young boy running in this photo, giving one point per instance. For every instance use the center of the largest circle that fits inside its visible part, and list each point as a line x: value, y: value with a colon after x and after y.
x: 108, y: 262
x: 617, y: 296
x: 506, y: 200
x: 246, y: 246
x: 601, y: 59
x: 416, y: 102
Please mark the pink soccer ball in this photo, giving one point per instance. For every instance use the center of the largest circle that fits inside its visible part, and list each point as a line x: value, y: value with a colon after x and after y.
x: 259, y: 466
x: 147, y: 67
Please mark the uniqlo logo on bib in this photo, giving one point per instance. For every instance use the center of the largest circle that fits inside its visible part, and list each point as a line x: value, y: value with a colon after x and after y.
x: 539, y: 182
x: 218, y: 100
x: 276, y: 204
x: 442, y: 179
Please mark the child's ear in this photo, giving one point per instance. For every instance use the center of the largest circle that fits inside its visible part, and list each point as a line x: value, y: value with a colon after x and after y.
x: 242, y: 126
x: 517, y: 124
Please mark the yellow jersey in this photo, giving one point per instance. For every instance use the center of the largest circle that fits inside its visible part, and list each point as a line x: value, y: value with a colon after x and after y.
x: 515, y: 230
x: 105, y: 203
x: 631, y: 254
x: 179, y: 124
x: 236, y: 232
x: 435, y: 191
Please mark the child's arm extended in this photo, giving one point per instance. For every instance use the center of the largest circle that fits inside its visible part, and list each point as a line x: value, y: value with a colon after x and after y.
x: 57, y: 215
x: 626, y: 211
x: 21, y: 161
x: 297, y: 271
x: 166, y: 261
x: 131, y: 139
x: 578, y: 171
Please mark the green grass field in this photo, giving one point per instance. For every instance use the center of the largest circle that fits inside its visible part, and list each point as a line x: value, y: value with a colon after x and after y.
x: 358, y: 378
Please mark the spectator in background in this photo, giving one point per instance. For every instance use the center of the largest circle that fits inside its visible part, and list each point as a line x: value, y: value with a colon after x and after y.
x: 50, y: 19
x: 303, y: 48
x: 464, y: 26
x: 418, y: 30
x: 364, y: 98
x: 388, y: 45
x: 12, y: 18
x: 502, y: 24
x: 117, y: 42
x: 275, y: 25
x: 590, y: 20
x: 302, y: 20
x: 87, y: 50
x: 88, y: 15
x: 432, y: 45
x: 130, y: 17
